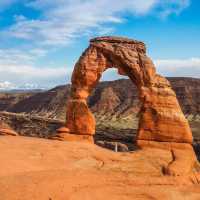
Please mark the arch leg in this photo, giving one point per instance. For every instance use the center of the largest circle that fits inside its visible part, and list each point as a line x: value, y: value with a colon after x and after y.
x: 80, y: 122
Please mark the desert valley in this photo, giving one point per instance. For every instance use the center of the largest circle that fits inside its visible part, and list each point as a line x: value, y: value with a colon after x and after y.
x: 40, y: 113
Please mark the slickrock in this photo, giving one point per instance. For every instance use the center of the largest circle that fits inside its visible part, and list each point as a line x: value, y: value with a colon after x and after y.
x: 161, y: 118
x: 41, y: 169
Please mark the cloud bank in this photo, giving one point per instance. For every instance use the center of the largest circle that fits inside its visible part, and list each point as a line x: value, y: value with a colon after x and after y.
x: 61, y: 21
x: 180, y: 67
x: 18, y: 70
x: 31, y: 77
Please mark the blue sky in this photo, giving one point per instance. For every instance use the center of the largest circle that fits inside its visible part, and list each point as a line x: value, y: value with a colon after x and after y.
x: 42, y: 39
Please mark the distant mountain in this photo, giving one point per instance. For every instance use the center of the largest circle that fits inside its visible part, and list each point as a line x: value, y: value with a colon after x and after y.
x: 115, y: 105
x: 111, y: 98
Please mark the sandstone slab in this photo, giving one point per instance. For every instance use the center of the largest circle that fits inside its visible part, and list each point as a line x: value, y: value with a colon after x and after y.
x: 33, y: 168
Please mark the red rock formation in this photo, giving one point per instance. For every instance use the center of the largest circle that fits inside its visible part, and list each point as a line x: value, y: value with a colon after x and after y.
x: 33, y: 168
x: 162, y: 123
x: 5, y: 129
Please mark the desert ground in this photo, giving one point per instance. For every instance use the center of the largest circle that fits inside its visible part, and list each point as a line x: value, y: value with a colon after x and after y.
x: 33, y: 168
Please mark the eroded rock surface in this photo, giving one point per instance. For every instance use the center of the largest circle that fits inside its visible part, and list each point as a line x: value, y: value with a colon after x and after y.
x: 44, y: 169
x: 109, y: 99
x: 161, y: 118
x: 5, y: 129
x: 160, y: 113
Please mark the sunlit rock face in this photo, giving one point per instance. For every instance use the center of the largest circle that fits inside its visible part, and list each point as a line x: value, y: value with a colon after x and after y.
x: 162, y: 123
x: 161, y: 118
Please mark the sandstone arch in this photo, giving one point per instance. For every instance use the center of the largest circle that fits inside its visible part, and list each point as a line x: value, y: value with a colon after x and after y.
x: 162, y: 123
x: 161, y: 116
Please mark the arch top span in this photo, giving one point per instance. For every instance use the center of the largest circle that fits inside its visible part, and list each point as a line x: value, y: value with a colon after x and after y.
x: 119, y: 40
x: 128, y: 56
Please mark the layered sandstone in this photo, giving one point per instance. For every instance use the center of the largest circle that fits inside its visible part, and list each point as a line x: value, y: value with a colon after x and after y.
x: 109, y: 100
x: 115, y: 108
x: 162, y: 123
x: 160, y: 112
x: 5, y: 129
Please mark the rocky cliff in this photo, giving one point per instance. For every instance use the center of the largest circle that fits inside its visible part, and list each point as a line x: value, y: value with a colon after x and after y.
x: 116, y: 97
x: 115, y: 105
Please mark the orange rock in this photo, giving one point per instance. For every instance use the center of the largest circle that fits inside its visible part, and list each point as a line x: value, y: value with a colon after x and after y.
x: 5, y: 129
x: 63, y: 130
x: 161, y: 119
x: 79, y: 119
x: 34, y: 168
x: 64, y: 136
x: 183, y: 156
x: 161, y: 116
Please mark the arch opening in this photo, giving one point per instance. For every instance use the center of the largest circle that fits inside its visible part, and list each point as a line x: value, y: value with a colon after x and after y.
x: 116, y: 111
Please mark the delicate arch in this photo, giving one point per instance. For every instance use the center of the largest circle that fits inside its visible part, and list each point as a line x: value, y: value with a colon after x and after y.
x: 161, y: 118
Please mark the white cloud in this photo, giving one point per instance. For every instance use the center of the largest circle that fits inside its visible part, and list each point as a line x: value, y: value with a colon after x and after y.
x: 20, y: 56
x: 173, y: 6
x: 27, y: 76
x: 179, y: 67
x: 31, y: 72
x: 60, y: 21
x: 63, y: 20
x: 18, y: 69
x: 6, y: 85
